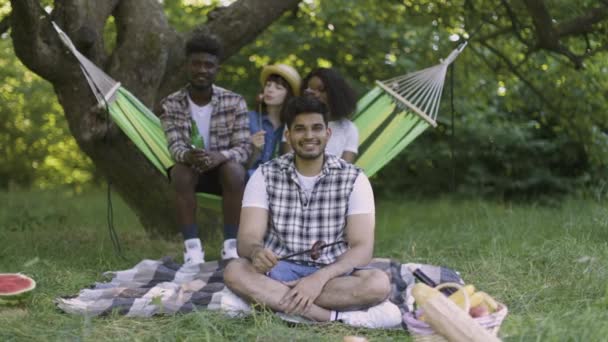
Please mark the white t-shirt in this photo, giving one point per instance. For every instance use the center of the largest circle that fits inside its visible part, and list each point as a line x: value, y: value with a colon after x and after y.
x: 361, y: 199
x: 202, y: 117
x: 344, y: 138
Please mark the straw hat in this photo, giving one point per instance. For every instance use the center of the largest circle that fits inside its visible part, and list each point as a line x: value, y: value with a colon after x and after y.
x: 287, y: 72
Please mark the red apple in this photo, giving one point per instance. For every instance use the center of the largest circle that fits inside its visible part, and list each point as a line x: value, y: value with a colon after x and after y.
x: 479, y: 311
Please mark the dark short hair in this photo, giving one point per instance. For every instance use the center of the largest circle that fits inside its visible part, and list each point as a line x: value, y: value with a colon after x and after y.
x: 302, y: 104
x: 201, y: 42
x: 341, y: 98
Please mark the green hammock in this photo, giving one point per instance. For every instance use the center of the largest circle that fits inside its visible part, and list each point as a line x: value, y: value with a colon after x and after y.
x: 144, y: 129
x: 385, y: 129
x: 388, y: 117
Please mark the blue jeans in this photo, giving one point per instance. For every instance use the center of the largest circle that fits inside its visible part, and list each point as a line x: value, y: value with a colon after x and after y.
x: 289, y: 271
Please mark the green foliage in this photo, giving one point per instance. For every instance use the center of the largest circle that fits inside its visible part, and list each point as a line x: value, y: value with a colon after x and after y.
x: 542, y: 134
x: 526, y: 122
x: 36, y: 148
x: 546, y: 264
x: 184, y: 15
x: 508, y: 142
x: 360, y: 39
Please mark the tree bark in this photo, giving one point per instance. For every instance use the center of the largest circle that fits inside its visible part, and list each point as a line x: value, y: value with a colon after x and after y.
x: 147, y: 59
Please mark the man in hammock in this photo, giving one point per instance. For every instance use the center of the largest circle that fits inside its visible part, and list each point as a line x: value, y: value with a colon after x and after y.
x: 294, y: 201
x: 207, y: 129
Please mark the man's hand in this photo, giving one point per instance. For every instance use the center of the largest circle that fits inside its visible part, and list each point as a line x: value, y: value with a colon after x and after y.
x: 214, y: 159
x: 195, y: 157
x: 302, y: 294
x: 203, y: 160
x: 263, y: 259
x: 257, y: 140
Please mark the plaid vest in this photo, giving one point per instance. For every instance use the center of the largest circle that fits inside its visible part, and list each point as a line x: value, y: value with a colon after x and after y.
x: 295, y: 223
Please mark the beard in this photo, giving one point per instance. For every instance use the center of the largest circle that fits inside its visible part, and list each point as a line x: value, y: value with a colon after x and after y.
x: 301, y: 153
x: 308, y: 155
x: 200, y: 86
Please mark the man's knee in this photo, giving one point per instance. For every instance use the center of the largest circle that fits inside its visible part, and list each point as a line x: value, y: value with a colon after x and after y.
x: 377, y: 285
x: 232, y: 175
x: 183, y: 178
x: 234, y: 272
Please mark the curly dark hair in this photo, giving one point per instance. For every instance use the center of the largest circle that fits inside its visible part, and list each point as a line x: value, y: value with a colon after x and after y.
x: 302, y: 104
x: 201, y: 42
x: 341, y: 97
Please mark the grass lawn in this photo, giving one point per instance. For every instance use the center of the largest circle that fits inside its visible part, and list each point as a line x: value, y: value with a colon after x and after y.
x: 548, y: 264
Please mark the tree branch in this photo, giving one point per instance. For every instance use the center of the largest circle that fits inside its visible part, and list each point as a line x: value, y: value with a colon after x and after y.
x: 500, y: 32
x: 519, y: 75
x: 548, y: 35
x: 236, y: 25
x: 34, y: 40
x: 84, y: 23
x: 515, y: 24
x: 239, y: 24
x: 590, y: 53
x: 583, y: 23
x: 144, y: 39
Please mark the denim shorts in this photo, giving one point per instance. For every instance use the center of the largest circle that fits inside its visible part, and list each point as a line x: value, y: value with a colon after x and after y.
x: 288, y: 271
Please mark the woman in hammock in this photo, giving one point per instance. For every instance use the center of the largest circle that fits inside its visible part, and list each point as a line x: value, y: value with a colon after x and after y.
x: 329, y: 87
x: 280, y: 82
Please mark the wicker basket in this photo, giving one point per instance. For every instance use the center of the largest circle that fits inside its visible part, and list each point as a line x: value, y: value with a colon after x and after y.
x: 423, y: 332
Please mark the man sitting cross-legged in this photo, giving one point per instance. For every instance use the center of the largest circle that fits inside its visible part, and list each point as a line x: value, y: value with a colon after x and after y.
x: 290, y: 203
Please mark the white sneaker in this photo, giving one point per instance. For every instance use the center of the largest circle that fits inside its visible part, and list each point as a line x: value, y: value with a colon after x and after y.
x: 194, y: 253
x: 383, y: 315
x: 294, y: 318
x: 233, y: 305
x: 229, y: 250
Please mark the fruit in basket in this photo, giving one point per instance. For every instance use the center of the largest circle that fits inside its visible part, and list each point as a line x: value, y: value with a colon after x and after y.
x: 447, y: 319
x: 458, y: 296
x: 490, y: 302
x: 476, y: 299
x: 479, y: 311
x: 482, y: 304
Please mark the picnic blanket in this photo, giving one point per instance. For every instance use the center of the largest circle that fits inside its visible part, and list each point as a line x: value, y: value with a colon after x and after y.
x: 156, y: 287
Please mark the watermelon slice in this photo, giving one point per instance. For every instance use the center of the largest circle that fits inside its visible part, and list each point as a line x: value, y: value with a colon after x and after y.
x: 15, y: 287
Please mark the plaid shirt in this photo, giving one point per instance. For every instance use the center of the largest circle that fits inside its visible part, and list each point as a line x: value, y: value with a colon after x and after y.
x: 295, y: 222
x: 228, y: 127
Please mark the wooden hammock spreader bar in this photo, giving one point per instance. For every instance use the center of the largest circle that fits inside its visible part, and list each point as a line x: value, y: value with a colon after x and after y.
x: 407, y: 103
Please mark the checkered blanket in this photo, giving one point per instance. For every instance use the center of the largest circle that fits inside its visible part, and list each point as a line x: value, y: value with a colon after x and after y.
x: 154, y: 287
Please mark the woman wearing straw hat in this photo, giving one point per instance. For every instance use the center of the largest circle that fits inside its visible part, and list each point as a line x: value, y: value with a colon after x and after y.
x: 329, y: 87
x: 280, y: 82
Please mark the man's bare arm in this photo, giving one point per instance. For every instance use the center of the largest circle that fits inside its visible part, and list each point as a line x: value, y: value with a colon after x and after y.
x: 250, y: 238
x: 360, y: 237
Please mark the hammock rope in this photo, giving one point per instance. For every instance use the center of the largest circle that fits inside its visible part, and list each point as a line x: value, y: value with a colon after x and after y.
x: 389, y: 117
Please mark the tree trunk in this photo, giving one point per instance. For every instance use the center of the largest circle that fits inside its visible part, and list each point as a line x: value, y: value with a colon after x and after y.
x: 147, y: 60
